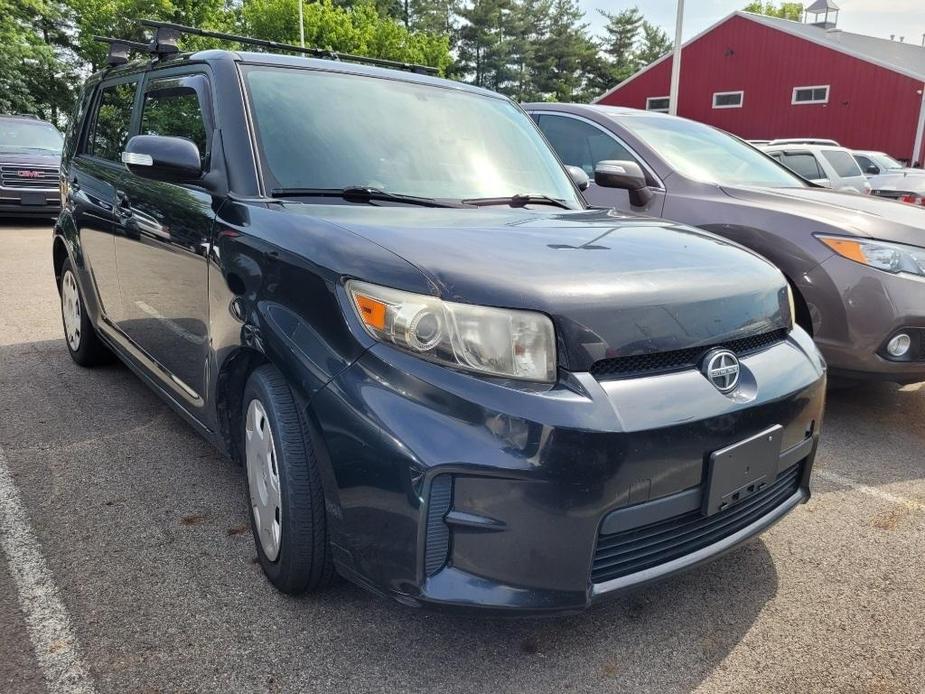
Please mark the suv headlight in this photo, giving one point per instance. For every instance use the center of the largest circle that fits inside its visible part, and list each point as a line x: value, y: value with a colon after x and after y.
x: 501, y: 342
x: 889, y: 257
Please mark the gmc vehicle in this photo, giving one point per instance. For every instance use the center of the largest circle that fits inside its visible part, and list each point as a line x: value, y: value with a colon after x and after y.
x: 446, y: 378
x: 30, y: 155
x: 856, y: 263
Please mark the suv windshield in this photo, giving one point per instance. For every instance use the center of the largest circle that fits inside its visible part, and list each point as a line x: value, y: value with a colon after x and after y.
x: 708, y: 155
x: 329, y: 131
x: 886, y: 162
x: 23, y: 135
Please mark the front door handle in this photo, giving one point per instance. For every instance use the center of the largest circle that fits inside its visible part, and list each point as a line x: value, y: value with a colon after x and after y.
x: 123, y: 206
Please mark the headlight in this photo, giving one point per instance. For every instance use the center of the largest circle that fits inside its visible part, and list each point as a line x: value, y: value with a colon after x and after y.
x: 889, y: 257
x: 502, y: 342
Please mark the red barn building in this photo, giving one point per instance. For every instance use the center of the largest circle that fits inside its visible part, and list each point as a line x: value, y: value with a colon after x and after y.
x: 764, y: 78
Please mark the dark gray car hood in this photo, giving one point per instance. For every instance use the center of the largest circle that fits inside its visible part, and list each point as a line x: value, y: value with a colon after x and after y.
x: 861, y: 215
x: 21, y: 158
x: 614, y: 285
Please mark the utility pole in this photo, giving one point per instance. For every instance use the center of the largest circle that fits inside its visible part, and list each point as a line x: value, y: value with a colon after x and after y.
x: 676, y: 62
x: 301, y: 27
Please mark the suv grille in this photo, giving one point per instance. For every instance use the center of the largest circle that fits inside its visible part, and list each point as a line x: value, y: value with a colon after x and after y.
x: 627, y: 552
x: 679, y: 359
x: 21, y: 176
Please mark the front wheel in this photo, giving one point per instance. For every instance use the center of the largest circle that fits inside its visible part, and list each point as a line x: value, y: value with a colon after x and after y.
x: 284, y: 487
x: 80, y: 336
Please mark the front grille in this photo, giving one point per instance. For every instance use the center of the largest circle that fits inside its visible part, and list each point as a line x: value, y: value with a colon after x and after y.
x: 15, y: 176
x: 629, y: 551
x: 679, y: 359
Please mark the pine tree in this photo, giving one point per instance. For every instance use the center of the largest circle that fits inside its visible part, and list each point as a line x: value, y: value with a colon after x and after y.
x: 653, y: 44
x: 619, y: 42
x: 564, y: 55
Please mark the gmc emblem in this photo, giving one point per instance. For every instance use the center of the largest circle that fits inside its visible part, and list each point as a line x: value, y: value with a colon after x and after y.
x: 29, y: 174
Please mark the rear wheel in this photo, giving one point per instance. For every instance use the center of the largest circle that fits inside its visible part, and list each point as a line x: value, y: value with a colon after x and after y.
x: 80, y: 336
x: 284, y: 487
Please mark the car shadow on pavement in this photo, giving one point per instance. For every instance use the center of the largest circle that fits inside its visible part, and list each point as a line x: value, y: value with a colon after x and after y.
x: 145, y: 527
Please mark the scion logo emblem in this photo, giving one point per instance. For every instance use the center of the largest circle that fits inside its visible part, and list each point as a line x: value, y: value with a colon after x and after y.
x: 721, y: 367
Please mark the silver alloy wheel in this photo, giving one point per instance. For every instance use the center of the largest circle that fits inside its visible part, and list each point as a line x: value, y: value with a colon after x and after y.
x: 263, y: 478
x: 70, y: 310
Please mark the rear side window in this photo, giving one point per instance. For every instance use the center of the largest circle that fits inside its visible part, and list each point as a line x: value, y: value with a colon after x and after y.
x: 843, y: 163
x: 172, y: 107
x: 113, y: 121
x: 581, y: 144
x: 804, y: 164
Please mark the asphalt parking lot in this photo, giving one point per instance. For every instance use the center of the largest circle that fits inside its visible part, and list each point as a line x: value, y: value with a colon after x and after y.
x: 127, y: 564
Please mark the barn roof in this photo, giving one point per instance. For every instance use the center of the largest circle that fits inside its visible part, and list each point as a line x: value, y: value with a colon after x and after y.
x: 905, y: 58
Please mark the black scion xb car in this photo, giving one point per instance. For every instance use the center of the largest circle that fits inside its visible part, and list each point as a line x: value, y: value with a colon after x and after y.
x: 446, y: 378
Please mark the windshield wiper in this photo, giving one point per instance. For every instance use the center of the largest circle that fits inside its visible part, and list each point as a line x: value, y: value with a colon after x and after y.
x: 519, y: 200
x: 362, y: 194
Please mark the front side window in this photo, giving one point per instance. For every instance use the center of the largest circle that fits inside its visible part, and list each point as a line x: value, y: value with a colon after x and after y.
x: 804, y: 164
x: 659, y: 104
x: 113, y: 120
x: 581, y: 144
x: 866, y: 164
x: 20, y: 135
x: 843, y: 163
x: 324, y: 130
x: 706, y: 154
x: 172, y: 108
x: 811, y: 95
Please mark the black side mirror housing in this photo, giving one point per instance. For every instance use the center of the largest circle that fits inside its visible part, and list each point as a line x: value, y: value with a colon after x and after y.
x: 578, y: 176
x: 872, y: 170
x: 627, y: 175
x: 162, y: 158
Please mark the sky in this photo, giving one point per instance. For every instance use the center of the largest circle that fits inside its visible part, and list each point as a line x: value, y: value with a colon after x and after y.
x: 872, y: 17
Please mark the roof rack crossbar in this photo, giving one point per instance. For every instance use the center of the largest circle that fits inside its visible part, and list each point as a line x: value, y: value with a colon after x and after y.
x: 120, y: 48
x: 169, y: 33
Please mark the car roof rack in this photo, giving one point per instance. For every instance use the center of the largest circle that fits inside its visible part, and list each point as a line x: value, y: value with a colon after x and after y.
x: 120, y: 48
x: 167, y: 36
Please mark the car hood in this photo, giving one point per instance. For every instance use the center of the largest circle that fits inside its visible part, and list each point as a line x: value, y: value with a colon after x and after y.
x: 906, y: 181
x: 29, y: 158
x: 614, y: 285
x: 860, y: 215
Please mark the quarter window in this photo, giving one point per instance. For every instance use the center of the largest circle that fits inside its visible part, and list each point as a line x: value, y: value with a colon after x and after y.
x: 728, y: 99
x: 172, y: 108
x: 581, y: 144
x: 659, y: 104
x: 811, y: 95
x: 113, y: 121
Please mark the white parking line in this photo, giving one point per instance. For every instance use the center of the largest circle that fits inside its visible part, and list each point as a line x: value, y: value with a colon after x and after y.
x: 49, y: 628
x: 911, y: 504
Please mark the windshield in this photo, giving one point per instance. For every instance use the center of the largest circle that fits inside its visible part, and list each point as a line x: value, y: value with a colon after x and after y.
x: 885, y: 161
x: 321, y: 130
x: 23, y: 135
x: 708, y: 155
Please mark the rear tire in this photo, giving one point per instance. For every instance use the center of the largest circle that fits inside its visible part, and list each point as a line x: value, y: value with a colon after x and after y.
x: 83, y: 342
x: 285, y: 494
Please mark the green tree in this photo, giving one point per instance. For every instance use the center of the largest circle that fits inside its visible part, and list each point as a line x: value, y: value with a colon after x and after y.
x: 784, y: 10
x: 619, y: 42
x: 486, y: 46
x: 653, y: 44
x: 565, y: 55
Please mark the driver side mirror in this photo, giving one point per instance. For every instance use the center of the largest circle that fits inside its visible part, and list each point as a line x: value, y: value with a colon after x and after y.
x: 578, y: 176
x: 872, y: 170
x: 627, y: 175
x: 162, y: 158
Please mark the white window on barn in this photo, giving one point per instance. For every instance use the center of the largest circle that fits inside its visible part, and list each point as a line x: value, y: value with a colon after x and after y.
x: 728, y: 99
x: 658, y: 103
x: 818, y: 94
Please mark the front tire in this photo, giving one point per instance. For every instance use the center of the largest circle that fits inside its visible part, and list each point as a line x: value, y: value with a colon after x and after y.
x: 284, y: 487
x: 83, y: 343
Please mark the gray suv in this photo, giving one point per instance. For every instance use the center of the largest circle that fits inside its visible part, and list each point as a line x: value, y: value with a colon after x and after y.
x: 30, y: 157
x: 856, y: 262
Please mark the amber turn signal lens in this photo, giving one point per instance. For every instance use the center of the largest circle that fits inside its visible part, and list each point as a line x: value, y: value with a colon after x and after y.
x: 846, y: 247
x: 372, y: 312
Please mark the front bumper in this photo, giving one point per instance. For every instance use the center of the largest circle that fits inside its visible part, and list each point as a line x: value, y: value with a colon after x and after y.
x: 453, y: 491
x: 855, y: 310
x: 31, y: 202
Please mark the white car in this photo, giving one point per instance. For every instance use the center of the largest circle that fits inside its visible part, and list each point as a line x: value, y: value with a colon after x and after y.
x: 826, y: 165
x: 891, y: 179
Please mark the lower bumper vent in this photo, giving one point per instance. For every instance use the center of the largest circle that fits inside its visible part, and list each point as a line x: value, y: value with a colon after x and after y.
x: 437, y: 541
x: 629, y: 551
